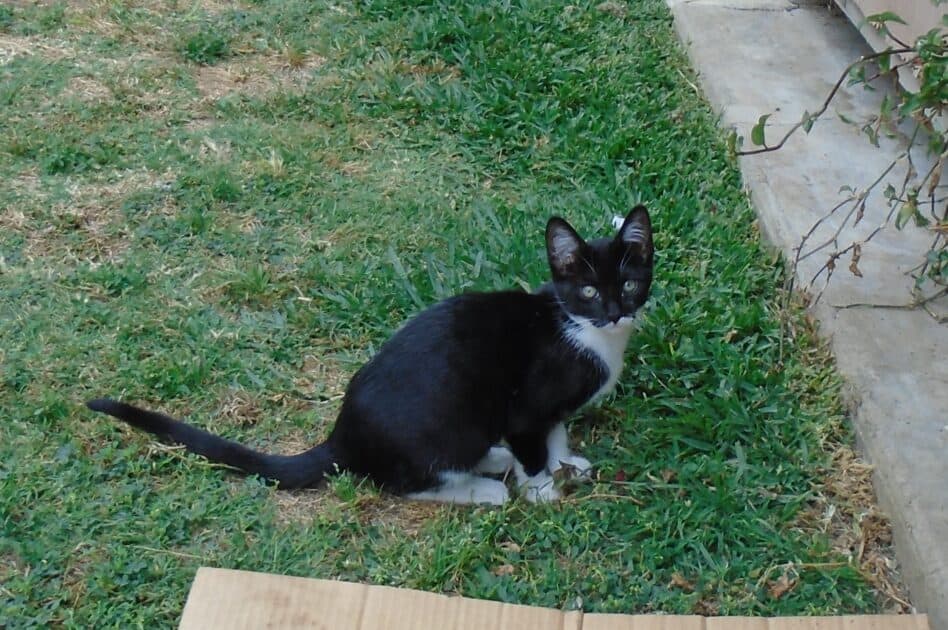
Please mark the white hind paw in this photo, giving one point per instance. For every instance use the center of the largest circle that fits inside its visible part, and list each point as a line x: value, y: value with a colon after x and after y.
x: 465, y: 488
x: 489, y: 491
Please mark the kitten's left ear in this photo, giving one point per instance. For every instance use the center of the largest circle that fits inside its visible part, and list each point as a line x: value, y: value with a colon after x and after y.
x: 636, y: 230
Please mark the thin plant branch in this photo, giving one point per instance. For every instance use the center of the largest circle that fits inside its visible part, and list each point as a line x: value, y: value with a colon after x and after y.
x: 829, y: 99
x: 910, y: 306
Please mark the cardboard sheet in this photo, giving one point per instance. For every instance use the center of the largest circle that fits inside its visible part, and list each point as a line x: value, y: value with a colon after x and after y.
x: 235, y: 600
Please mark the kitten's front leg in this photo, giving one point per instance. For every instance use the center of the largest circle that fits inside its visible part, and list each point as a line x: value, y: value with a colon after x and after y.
x: 559, y: 455
x: 530, y: 469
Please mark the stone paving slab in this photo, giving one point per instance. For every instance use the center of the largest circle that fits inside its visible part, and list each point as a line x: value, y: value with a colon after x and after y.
x: 780, y: 57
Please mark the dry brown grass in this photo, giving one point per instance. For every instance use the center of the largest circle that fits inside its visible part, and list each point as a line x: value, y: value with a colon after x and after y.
x: 389, y: 511
x: 12, y: 46
x: 87, y: 89
x: 256, y: 74
x: 846, y: 510
x: 92, y: 209
x: 321, y: 376
x: 239, y: 407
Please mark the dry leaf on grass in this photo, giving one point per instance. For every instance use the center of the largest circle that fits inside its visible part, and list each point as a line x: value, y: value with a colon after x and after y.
x: 678, y: 581
x: 707, y: 608
x: 781, y: 586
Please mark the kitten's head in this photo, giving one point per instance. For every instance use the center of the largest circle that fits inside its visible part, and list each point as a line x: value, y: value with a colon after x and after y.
x: 606, y: 280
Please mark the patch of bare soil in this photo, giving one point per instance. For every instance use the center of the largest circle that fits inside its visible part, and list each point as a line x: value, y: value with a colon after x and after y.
x: 387, y: 510
x: 91, y: 209
x: 322, y: 380
x: 87, y: 89
x: 12, y: 46
x: 255, y: 74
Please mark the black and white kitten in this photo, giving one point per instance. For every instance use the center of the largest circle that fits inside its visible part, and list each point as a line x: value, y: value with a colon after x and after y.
x: 426, y: 416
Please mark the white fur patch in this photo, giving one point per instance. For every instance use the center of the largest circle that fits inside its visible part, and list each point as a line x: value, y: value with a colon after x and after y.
x: 606, y: 343
x: 458, y: 487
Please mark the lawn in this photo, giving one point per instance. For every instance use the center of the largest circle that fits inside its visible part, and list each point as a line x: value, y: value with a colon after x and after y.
x: 221, y: 210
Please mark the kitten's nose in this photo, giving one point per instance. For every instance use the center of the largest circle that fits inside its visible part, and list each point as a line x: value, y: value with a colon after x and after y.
x: 613, y: 313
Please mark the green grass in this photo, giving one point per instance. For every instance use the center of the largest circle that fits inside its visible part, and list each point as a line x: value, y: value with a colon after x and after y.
x: 223, y: 212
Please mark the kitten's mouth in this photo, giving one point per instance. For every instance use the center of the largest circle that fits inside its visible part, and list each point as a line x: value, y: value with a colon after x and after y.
x: 609, y: 326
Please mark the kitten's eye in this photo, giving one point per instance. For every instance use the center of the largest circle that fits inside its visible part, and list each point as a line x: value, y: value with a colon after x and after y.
x: 589, y: 292
x: 629, y: 286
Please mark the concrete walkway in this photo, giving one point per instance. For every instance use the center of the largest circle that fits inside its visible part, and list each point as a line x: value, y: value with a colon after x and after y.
x: 775, y: 56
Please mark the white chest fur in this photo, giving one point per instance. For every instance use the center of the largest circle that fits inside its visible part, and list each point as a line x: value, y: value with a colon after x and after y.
x: 604, y: 343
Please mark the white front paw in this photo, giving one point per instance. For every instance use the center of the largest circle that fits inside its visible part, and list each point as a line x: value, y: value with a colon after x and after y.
x: 545, y: 492
x: 539, y: 488
x: 580, y: 467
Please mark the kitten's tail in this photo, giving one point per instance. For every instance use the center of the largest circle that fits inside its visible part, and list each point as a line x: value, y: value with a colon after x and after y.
x: 289, y: 471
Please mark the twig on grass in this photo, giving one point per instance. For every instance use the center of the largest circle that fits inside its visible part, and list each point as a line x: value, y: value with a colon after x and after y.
x: 179, y: 554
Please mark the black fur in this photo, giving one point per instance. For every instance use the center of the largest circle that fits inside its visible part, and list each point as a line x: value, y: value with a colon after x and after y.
x: 460, y: 377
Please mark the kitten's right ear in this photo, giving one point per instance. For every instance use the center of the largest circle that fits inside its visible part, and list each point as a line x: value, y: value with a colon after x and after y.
x: 636, y: 231
x: 563, y: 245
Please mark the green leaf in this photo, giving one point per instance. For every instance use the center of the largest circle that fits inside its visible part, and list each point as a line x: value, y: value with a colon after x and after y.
x: 905, y: 212
x: 808, y: 120
x: 886, y: 108
x: 885, y: 16
x: 884, y: 62
x: 908, y: 210
x: 757, y: 133
x: 858, y: 75
x: 911, y: 104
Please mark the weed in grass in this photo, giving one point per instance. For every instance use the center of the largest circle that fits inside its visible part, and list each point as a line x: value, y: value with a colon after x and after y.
x: 222, y: 186
x: 252, y: 282
x: 117, y: 280
x: 6, y: 17
x: 78, y: 156
x: 295, y: 56
x: 206, y: 46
